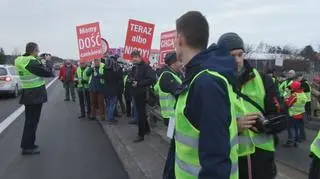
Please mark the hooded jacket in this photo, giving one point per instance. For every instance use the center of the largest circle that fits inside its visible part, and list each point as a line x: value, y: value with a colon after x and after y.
x: 208, y: 109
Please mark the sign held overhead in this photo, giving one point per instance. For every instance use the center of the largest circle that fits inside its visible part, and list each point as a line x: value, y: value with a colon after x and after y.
x: 139, y: 37
x: 89, y: 42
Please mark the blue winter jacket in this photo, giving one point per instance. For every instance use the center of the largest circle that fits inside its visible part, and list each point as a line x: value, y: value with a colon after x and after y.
x: 208, y: 110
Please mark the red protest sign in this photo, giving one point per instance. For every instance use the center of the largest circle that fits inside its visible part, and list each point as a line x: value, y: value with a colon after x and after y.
x: 166, y: 44
x: 89, y: 42
x: 139, y: 37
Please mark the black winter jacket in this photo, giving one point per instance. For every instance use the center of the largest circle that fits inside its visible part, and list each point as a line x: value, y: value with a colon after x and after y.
x: 144, y: 75
x: 36, y: 95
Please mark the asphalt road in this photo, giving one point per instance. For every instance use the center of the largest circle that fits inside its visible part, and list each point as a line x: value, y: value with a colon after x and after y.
x: 70, y: 148
x: 9, y: 104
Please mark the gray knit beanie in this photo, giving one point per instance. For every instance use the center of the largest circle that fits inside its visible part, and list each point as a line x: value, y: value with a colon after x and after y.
x: 231, y: 41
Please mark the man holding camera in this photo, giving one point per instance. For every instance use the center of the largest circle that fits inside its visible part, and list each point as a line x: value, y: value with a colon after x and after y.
x: 34, y: 94
x: 260, y: 97
x: 140, y: 79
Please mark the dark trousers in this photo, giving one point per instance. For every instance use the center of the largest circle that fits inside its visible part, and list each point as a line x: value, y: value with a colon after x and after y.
x: 168, y: 172
x: 296, y: 125
x: 128, y: 107
x: 120, y: 101
x: 308, y: 109
x: 140, y: 102
x: 84, y: 101
x: 314, y: 171
x: 32, y: 116
x: 69, y: 87
x: 262, y: 165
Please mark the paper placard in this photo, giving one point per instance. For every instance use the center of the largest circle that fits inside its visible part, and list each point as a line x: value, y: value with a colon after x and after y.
x: 171, y: 127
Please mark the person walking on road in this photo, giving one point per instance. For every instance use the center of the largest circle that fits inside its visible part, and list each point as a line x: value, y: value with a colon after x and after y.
x: 66, y: 75
x: 142, y: 77
x: 167, y: 87
x: 34, y: 94
x: 96, y: 86
x: 205, y: 124
x: 82, y: 81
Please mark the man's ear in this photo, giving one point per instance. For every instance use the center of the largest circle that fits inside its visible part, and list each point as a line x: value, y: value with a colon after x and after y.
x: 181, y: 40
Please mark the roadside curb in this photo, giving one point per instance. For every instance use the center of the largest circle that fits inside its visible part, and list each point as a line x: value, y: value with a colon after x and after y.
x: 132, y: 168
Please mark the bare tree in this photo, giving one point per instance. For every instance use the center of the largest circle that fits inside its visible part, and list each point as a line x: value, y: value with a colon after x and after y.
x: 2, y: 56
x: 1, y: 51
x: 249, y: 48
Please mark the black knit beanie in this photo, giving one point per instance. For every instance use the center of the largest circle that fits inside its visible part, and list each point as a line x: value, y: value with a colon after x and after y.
x: 231, y: 41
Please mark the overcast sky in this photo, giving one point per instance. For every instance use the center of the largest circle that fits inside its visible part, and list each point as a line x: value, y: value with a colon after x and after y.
x: 52, y: 23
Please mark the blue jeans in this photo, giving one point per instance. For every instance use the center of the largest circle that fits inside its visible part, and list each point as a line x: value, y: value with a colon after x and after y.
x: 110, y: 106
x: 296, y: 125
x: 134, y: 113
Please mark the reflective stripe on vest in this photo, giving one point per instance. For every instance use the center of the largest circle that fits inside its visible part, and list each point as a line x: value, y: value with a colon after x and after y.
x: 299, y: 107
x: 124, y: 83
x: 187, y: 164
x: 261, y: 139
x: 167, y: 101
x: 80, y: 77
x: 246, y: 146
x: 186, y: 140
x: 27, y: 79
x: 315, y: 146
x: 256, y: 91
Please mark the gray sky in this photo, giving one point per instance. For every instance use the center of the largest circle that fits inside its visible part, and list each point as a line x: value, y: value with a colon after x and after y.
x: 52, y: 23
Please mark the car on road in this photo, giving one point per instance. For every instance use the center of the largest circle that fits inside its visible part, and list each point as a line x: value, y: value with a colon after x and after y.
x: 9, y: 81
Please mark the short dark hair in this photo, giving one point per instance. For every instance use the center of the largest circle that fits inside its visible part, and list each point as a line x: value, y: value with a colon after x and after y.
x: 31, y: 47
x: 195, y: 28
x: 170, y: 58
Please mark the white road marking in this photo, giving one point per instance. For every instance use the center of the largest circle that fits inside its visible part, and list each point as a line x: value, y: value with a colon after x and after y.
x: 12, y: 117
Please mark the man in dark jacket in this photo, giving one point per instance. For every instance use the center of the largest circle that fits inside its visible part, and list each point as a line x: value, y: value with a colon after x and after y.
x: 203, y: 109
x: 142, y: 77
x: 34, y: 94
x: 111, y: 81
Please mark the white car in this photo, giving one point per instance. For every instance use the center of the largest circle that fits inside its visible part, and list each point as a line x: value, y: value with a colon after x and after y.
x: 9, y: 80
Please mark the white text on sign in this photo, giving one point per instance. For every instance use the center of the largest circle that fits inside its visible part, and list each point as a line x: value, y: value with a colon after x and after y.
x: 143, y: 52
x: 85, y: 30
x: 141, y: 29
x: 91, y: 42
x: 139, y: 39
x: 167, y: 43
